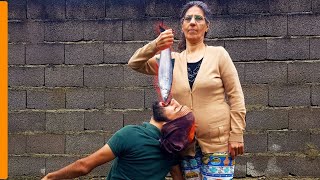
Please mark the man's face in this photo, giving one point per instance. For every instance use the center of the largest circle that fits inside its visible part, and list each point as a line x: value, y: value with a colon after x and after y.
x: 171, y: 111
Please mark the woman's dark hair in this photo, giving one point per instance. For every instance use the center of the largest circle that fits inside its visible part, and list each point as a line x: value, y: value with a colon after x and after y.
x: 206, y: 11
x: 158, y: 114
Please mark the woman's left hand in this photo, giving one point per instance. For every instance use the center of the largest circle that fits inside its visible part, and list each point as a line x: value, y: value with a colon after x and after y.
x: 235, y: 149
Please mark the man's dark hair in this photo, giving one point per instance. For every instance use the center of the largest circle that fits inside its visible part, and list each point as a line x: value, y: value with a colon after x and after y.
x: 158, y: 114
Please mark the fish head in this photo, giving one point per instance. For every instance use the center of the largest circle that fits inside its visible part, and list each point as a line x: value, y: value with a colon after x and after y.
x: 165, y: 93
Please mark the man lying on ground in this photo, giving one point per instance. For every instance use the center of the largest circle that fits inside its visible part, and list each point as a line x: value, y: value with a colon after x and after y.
x: 147, y: 151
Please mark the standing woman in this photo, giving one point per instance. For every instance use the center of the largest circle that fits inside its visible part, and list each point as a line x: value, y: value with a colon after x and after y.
x: 206, y: 80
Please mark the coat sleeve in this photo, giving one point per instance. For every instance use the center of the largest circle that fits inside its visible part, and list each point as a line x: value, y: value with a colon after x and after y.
x: 235, y: 97
x: 144, y: 60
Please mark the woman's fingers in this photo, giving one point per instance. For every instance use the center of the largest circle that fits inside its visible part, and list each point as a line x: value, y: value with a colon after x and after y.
x: 236, y: 149
x: 165, y: 40
x: 241, y: 149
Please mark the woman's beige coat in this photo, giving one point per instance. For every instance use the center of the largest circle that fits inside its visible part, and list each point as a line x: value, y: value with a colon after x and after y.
x: 216, y: 97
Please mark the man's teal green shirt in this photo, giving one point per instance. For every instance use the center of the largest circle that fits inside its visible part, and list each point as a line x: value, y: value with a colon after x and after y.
x: 138, y: 154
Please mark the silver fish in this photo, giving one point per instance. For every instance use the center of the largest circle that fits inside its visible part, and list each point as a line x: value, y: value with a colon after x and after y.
x: 165, y: 73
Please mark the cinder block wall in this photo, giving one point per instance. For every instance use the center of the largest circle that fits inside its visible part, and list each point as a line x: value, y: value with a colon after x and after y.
x: 70, y: 88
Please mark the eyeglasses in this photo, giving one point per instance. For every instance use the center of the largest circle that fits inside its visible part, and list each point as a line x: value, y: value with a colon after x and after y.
x: 197, y: 18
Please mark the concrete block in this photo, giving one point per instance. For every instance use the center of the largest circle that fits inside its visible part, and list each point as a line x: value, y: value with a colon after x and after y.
x: 315, y: 140
x: 289, y: 95
x: 217, y: 7
x: 45, y: 54
x: 63, y: 76
x: 26, y: 76
x: 285, y: 49
x: 290, y: 6
x: 110, y: 121
x: 256, y: 143
x: 83, y: 143
x: 26, y: 31
x: 247, y: 50
x: 17, y: 99
x: 315, y: 95
x: 150, y: 96
x: 304, y: 24
x: 241, y: 71
x: 304, y: 72
x: 314, y: 48
x: 26, y: 121
x: 229, y: 26
x: 17, y: 54
x: 46, y: 143
x: 215, y: 42
x: 17, y: 9
x: 84, y: 99
x: 133, y: 31
x: 120, y: 53
x: 266, y: 72
x: 137, y: 117
x: 304, y: 118
x: 103, y: 76
x: 17, y: 144
x: 88, y: 53
x: 103, y: 30
x: 63, y: 31
x: 256, y: 166
x: 245, y: 7
x: 46, y: 99
x: 299, y: 141
x: 26, y: 166
x: 255, y: 94
x: 269, y: 166
x: 124, y: 98
x: 240, y: 169
x: 59, y: 122
x: 136, y: 79
x: 93, y: 9
x: 288, y: 141
x: 133, y: 9
x: 164, y: 8
x: 278, y: 141
x: 270, y: 119
x: 305, y: 166
x: 315, y: 6
x: 46, y: 9
x: 266, y: 25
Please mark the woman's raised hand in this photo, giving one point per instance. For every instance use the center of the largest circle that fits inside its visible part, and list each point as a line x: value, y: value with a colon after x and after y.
x: 164, y: 40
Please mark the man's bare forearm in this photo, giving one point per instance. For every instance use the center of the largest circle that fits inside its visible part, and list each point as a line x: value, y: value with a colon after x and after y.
x: 84, y: 165
x: 73, y: 170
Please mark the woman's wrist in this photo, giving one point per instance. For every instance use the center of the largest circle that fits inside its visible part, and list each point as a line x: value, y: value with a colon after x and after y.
x: 154, y: 46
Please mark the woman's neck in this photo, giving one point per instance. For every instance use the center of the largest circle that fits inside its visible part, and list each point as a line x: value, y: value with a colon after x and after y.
x: 195, y: 47
x: 195, y: 52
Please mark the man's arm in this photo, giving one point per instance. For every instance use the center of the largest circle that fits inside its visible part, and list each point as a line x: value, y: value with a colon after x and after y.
x: 176, y: 173
x: 83, y: 166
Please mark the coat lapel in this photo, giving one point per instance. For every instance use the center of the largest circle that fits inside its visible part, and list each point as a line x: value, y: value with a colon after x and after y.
x: 184, y: 70
x: 199, y: 74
